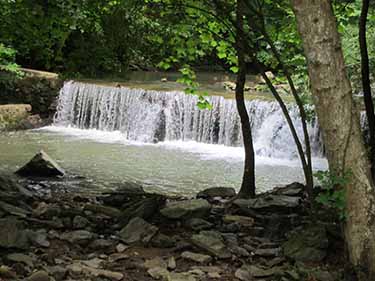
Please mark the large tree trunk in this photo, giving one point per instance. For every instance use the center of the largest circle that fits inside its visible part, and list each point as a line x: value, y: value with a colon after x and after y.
x: 339, y: 121
x: 366, y: 85
x: 248, y: 181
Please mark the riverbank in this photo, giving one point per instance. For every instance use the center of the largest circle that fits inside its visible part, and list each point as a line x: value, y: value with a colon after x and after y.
x: 129, y: 234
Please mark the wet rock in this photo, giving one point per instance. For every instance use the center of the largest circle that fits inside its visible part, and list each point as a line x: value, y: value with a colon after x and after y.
x: 186, y: 209
x: 199, y: 258
x: 163, y: 241
x: 239, y: 251
x: 307, y: 245
x: 41, y: 165
x: 95, y: 272
x: 18, y: 238
x: 39, y: 276
x: 144, y: 208
x: 266, y: 203
x: 212, y: 242
x: 223, y: 192
x: 80, y: 237
x: 198, y: 224
x: 20, y: 258
x: 138, y: 231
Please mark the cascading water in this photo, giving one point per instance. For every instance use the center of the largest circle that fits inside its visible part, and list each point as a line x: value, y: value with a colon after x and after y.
x: 154, y: 116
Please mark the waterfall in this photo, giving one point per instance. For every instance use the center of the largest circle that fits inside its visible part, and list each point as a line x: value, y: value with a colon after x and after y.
x: 153, y: 116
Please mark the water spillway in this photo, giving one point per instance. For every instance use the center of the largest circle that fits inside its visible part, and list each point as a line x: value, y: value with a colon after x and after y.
x: 158, y: 116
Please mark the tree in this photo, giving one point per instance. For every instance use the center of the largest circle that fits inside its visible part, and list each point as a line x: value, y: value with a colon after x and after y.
x: 339, y: 120
x: 366, y: 84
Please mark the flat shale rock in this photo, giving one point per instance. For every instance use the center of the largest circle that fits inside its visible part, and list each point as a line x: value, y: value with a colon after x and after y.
x: 186, y: 209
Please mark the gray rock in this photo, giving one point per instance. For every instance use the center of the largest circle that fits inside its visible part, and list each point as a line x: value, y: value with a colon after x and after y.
x: 253, y: 271
x: 307, y: 245
x: 41, y: 165
x: 39, y: 276
x: 270, y: 252
x: 58, y: 272
x: 163, y: 241
x: 198, y: 224
x: 159, y: 273
x: 293, y: 189
x: 80, y: 222
x: 239, y: 251
x: 155, y: 262
x: 20, y: 258
x: 268, y: 203
x: 212, y: 242
x: 223, y: 192
x: 196, y: 208
x: 13, y: 210
x: 39, y: 239
x: 80, y: 237
x: 171, y: 263
x: 101, y: 244
x: 13, y: 234
x: 242, y: 220
x: 138, y: 231
x: 199, y: 258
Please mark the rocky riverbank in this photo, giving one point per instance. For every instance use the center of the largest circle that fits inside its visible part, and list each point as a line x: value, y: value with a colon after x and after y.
x: 129, y: 234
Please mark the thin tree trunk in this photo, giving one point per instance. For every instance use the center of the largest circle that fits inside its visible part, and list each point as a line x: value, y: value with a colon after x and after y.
x: 248, y: 181
x: 366, y: 85
x: 339, y: 120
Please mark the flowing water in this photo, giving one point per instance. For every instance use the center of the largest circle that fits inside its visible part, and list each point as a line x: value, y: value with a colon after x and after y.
x: 161, y: 139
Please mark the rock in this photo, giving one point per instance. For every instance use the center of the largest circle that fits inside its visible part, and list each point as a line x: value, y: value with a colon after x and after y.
x: 144, y: 208
x: 199, y: 258
x: 101, y: 244
x: 198, y: 224
x: 6, y: 272
x: 58, y: 272
x: 41, y: 165
x: 223, y: 192
x: 117, y: 256
x: 80, y: 222
x: 183, y: 276
x: 268, y: 203
x: 39, y: 239
x: 163, y: 241
x: 271, y: 252
x: 121, y: 247
x: 105, y: 210
x: 39, y: 276
x: 20, y: 258
x: 19, y: 236
x: 79, y: 268
x: 248, y: 272
x: 159, y: 273
x: 239, y: 251
x: 164, y: 79
x: 155, y: 262
x: 171, y: 263
x: 93, y: 263
x: 186, y: 209
x: 307, y: 245
x: 212, y: 242
x: 13, y: 210
x: 80, y: 237
x: 138, y: 231
x: 242, y: 220
x: 293, y: 189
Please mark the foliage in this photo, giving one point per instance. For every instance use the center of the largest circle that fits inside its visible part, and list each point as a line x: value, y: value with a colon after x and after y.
x: 333, y: 194
x: 7, y: 60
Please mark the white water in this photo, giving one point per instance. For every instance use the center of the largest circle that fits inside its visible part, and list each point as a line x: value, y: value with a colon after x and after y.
x: 139, y: 117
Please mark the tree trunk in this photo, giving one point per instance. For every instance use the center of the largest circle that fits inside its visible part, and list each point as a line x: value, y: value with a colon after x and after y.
x: 339, y: 120
x: 248, y: 181
x: 366, y: 85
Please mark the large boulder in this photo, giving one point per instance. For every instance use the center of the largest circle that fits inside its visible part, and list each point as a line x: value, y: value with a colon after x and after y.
x: 268, y: 203
x: 138, y: 231
x: 212, y: 192
x: 186, y: 209
x: 307, y: 245
x: 41, y: 165
x: 212, y: 242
